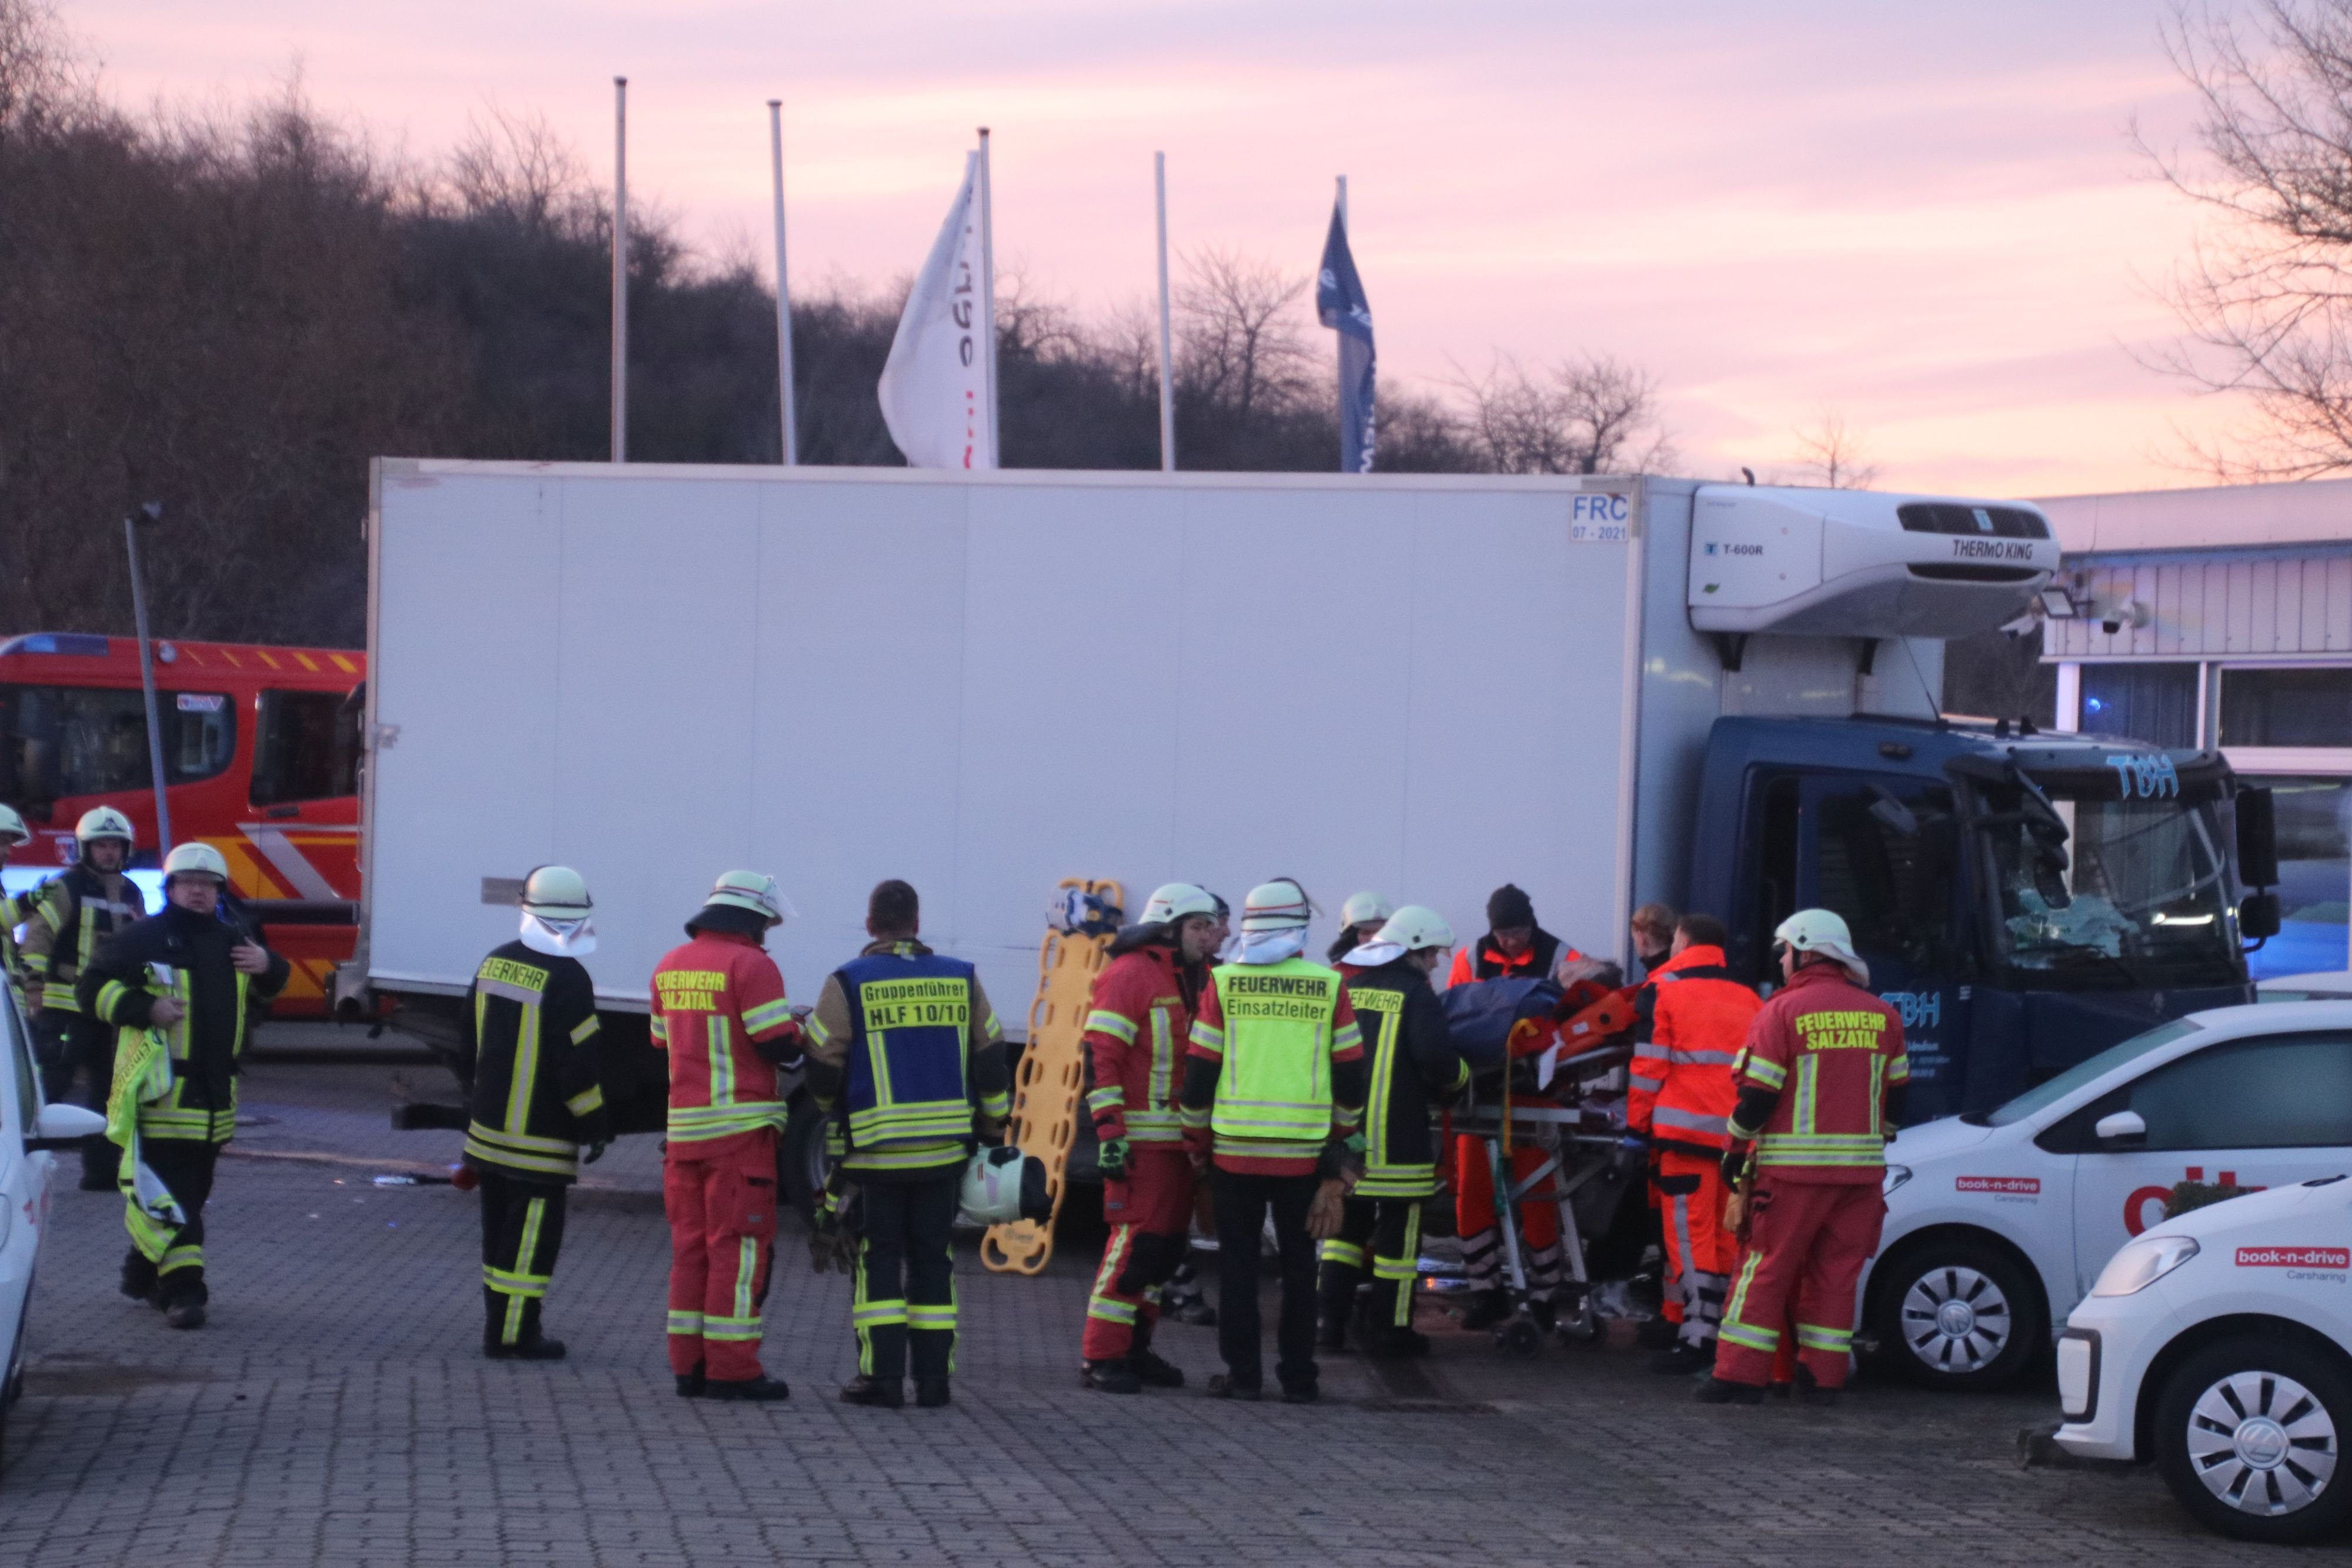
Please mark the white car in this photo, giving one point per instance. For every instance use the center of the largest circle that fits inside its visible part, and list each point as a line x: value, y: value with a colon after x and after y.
x: 2216, y: 1346
x: 28, y: 1131
x: 2318, y: 986
x: 1996, y: 1224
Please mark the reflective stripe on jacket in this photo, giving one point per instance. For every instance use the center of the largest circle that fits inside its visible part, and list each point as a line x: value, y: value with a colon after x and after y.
x: 1274, y: 1031
x: 530, y: 1037
x: 184, y: 956
x: 904, y: 1042
x: 1830, y: 1050
x: 1682, y: 1090
x: 65, y: 920
x: 715, y: 1000
x: 1411, y: 1061
x: 1137, y: 1025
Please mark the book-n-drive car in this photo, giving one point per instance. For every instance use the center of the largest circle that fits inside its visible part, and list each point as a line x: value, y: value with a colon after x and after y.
x: 1998, y: 1223
x: 2215, y: 1346
x: 28, y: 1132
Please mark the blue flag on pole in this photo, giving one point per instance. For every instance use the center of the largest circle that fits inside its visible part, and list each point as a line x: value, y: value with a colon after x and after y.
x: 1340, y: 301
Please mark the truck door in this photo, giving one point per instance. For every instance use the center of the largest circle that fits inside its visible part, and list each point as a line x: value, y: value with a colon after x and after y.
x: 1882, y: 852
x: 2257, y: 1112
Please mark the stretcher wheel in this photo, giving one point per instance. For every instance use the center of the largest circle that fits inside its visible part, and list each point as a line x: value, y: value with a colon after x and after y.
x: 1580, y: 1328
x: 1520, y: 1338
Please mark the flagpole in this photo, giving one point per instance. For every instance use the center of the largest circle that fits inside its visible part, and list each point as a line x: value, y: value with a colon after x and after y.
x: 1167, y: 389
x: 988, y: 299
x: 620, y: 270
x: 790, y: 446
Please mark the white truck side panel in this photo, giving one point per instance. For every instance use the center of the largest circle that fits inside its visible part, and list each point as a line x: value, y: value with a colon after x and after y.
x: 982, y: 684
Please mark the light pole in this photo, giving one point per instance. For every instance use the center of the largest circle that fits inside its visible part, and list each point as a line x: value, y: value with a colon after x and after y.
x: 150, y: 513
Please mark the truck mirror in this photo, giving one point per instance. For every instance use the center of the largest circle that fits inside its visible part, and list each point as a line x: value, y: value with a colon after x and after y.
x: 2257, y: 839
x: 2257, y: 916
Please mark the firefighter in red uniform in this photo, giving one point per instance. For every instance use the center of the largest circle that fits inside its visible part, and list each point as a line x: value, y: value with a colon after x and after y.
x: 719, y: 1009
x: 1135, y: 1038
x: 1515, y: 947
x: 1681, y: 1101
x: 1821, y: 1083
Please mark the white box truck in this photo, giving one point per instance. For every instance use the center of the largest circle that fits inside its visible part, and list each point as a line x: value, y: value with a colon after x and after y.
x: 1605, y: 690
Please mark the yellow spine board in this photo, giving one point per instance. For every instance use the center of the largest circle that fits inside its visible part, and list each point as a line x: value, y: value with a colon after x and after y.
x: 1052, y: 1080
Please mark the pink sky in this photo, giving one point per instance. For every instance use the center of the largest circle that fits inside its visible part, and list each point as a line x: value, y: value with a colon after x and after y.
x: 1928, y: 218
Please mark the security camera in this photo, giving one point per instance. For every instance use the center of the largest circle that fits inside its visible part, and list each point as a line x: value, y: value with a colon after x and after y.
x: 2116, y: 617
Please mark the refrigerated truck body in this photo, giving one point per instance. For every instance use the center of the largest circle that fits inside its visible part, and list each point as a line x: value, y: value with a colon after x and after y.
x: 1607, y: 690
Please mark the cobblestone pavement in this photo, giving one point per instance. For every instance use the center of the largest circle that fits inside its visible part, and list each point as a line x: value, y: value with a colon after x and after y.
x: 337, y: 1412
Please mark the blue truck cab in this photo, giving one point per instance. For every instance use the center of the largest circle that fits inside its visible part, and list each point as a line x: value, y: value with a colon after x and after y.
x: 2027, y: 900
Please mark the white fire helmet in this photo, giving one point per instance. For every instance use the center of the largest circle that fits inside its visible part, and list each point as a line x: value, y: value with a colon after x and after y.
x: 12, y: 827
x: 102, y: 822
x: 1823, y: 931
x: 1414, y: 927
x: 555, y: 913
x: 1171, y: 902
x: 1365, y: 909
x: 1277, y: 905
x: 754, y: 890
x: 195, y: 860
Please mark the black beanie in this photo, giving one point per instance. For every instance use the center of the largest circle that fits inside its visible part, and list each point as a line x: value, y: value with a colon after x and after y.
x: 1507, y: 907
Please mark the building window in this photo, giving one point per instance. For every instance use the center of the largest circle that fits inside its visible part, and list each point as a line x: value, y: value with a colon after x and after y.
x: 2282, y: 708
x: 2315, y: 849
x: 2154, y: 703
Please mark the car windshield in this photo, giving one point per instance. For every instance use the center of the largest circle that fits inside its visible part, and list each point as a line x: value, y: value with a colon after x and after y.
x: 2056, y: 1089
x: 2129, y: 893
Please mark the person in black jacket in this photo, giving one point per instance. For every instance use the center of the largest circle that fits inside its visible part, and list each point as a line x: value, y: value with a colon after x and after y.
x: 1414, y: 1066
x: 529, y: 1051
x: 189, y: 976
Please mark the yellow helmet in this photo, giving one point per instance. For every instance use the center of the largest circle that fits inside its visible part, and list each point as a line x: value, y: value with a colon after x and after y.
x: 196, y: 859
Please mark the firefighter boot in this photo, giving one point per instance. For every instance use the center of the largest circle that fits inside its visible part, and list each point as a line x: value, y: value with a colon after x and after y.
x: 1393, y: 1343
x: 880, y: 1393
x: 1151, y: 1368
x: 511, y: 1330
x: 1809, y: 1391
x: 1715, y: 1391
x: 1111, y: 1378
x: 692, y: 1385
x: 931, y: 1392
x: 1492, y: 1305
x: 139, y: 1281
x: 1658, y: 1334
x: 1683, y: 1359
x: 185, y: 1298
x: 760, y: 1390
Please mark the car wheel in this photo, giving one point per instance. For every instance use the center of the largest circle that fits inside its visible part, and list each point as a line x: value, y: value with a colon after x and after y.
x: 802, y: 1165
x: 1957, y: 1314
x: 2248, y: 1434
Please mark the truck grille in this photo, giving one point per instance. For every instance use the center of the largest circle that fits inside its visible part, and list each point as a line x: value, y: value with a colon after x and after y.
x: 1987, y: 522
x: 1946, y: 572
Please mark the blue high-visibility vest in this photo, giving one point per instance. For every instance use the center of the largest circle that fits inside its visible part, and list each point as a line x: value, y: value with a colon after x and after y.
x: 910, y: 1019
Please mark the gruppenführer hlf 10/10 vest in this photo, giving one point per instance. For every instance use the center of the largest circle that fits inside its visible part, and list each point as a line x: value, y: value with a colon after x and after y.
x: 909, y: 1096
x: 1274, y: 1095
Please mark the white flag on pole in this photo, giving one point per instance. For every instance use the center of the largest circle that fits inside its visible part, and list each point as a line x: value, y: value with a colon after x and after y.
x: 934, y: 387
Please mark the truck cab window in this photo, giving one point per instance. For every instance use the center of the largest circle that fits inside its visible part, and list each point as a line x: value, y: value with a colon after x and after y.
x: 60, y: 742
x: 1884, y: 853
x: 306, y: 748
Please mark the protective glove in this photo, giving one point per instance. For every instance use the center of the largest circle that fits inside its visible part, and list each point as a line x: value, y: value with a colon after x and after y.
x: 830, y: 1245
x: 1734, y: 1160
x: 1110, y: 1158
x: 1324, y: 1213
x: 596, y: 1152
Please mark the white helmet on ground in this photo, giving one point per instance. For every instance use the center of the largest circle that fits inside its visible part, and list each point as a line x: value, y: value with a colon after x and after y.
x: 1823, y: 931
x: 102, y: 822
x: 1277, y: 905
x: 197, y: 859
x: 1365, y: 909
x: 1171, y: 902
x: 753, y: 891
x: 12, y: 827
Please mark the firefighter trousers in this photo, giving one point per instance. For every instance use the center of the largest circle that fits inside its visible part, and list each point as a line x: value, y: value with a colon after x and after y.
x: 1242, y: 1200
x: 1151, y: 1218
x: 905, y: 1302
x: 1482, y: 1237
x: 722, y: 1234
x: 68, y: 1047
x: 1699, y: 1251
x: 522, y: 1231
x: 166, y: 1261
x: 1380, y: 1238
x: 1807, y: 1243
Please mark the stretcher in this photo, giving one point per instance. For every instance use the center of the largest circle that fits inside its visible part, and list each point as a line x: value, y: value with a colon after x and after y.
x: 1581, y: 1144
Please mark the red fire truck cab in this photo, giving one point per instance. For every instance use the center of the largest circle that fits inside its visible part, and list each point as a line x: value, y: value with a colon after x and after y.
x: 261, y: 758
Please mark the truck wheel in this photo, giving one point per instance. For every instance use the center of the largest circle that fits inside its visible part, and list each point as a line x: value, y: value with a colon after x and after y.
x: 802, y: 1165
x: 2246, y: 1437
x: 1958, y: 1314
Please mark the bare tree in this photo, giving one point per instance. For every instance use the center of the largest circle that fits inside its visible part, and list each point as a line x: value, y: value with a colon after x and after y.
x: 2265, y: 298
x: 1589, y: 415
x: 1243, y: 335
x: 1833, y: 454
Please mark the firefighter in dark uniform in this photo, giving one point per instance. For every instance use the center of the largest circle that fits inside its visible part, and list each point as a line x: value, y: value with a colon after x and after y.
x: 1413, y: 1066
x: 14, y: 911
x: 176, y: 988
x: 531, y: 1050
x: 904, y: 1042
x: 68, y: 916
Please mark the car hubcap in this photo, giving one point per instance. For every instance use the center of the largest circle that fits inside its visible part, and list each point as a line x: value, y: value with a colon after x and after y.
x: 1955, y: 1320
x: 2262, y: 1443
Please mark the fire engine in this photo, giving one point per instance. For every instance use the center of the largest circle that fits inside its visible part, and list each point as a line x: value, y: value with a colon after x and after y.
x: 261, y: 759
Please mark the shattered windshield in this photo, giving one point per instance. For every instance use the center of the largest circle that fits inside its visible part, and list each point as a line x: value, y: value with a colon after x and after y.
x: 2132, y: 893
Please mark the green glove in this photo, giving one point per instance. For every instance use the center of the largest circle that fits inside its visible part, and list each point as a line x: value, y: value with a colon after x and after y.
x: 1112, y: 1158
